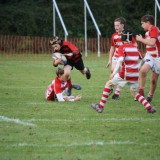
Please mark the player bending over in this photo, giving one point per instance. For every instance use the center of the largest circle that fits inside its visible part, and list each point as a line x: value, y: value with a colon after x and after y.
x: 55, y: 90
x: 128, y: 56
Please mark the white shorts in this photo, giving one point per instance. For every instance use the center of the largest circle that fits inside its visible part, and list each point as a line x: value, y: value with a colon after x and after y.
x: 154, y: 63
x: 114, y: 59
x: 117, y: 80
x: 149, y: 60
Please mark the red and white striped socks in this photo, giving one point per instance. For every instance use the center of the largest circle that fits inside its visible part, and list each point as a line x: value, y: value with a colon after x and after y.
x: 105, y: 95
x: 143, y: 101
x: 117, y: 91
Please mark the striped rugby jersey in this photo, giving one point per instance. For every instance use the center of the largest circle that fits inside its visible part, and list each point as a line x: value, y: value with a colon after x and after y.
x: 130, y: 65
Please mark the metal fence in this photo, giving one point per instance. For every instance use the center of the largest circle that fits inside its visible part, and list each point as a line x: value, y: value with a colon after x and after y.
x: 36, y: 45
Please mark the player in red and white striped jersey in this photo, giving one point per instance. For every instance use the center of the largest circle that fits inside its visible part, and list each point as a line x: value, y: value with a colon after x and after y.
x: 116, y: 42
x: 125, y: 72
x: 55, y: 90
x: 152, y: 42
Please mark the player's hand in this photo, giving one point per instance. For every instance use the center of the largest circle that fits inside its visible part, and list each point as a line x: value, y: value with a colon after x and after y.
x: 108, y: 64
x: 139, y: 37
x: 57, y: 61
x: 68, y: 54
x: 77, y: 98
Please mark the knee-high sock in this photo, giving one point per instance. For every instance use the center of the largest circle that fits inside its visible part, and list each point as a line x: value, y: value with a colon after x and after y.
x: 143, y: 101
x: 117, y: 91
x: 104, y: 97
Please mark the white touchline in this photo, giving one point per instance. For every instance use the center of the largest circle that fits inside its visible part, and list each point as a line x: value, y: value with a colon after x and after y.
x: 97, y: 119
x: 98, y: 143
x: 18, y: 121
x: 92, y: 143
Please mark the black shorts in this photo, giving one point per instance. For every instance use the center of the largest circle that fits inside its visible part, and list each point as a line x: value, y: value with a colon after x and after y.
x: 77, y: 63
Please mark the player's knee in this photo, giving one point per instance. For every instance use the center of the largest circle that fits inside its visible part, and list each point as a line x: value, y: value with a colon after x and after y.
x: 109, y: 83
x: 143, y: 72
x: 67, y: 73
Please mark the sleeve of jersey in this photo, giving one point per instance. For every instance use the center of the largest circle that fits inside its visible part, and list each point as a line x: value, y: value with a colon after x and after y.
x: 57, y: 87
x: 60, y: 97
x: 153, y: 32
x: 133, y: 40
x: 71, y: 46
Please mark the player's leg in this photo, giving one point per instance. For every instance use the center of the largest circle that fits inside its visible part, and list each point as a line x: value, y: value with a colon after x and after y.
x: 105, y: 94
x: 140, y: 98
x: 117, y: 80
x: 153, y: 85
x: 118, y: 88
x: 143, y: 73
x: 67, y: 72
x: 142, y: 77
x: 79, y: 65
x: 75, y: 86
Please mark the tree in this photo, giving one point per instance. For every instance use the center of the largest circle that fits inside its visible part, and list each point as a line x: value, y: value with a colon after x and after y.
x: 34, y: 17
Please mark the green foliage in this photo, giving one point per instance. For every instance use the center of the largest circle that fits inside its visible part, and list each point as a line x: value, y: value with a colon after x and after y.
x: 32, y: 128
x: 35, y: 17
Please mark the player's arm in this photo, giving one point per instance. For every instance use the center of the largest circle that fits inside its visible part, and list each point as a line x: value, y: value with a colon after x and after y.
x: 72, y: 98
x: 149, y: 42
x: 56, y: 61
x: 111, y: 52
x: 118, y: 65
x: 72, y: 47
x: 60, y: 97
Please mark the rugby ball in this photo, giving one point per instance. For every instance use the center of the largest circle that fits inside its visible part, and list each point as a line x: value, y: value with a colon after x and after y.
x: 58, y: 55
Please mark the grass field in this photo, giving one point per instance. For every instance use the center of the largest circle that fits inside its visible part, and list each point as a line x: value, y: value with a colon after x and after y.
x: 33, y: 129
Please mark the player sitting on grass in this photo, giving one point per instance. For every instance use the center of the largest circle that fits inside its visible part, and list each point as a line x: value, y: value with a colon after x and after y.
x: 125, y: 72
x: 55, y: 90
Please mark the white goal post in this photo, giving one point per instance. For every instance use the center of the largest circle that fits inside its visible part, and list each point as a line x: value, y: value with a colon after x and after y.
x: 156, y: 6
x: 86, y: 6
x: 55, y: 7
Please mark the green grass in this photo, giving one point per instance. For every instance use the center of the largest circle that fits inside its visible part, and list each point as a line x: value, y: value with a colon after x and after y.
x: 33, y: 129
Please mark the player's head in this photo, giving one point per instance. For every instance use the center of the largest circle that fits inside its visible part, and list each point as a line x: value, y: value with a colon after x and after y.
x: 119, y: 24
x: 56, y: 43
x: 148, y: 18
x: 59, y: 71
x: 127, y: 35
x: 147, y: 21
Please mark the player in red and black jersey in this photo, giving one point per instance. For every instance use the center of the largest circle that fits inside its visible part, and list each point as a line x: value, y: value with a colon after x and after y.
x: 73, y: 55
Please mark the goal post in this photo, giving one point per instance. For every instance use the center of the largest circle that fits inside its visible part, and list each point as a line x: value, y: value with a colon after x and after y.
x: 86, y: 7
x: 156, y: 6
x: 55, y: 8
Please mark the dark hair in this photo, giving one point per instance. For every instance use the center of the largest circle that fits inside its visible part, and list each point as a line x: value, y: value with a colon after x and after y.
x: 56, y: 40
x: 59, y: 71
x: 126, y: 35
x: 148, y: 18
x: 121, y: 20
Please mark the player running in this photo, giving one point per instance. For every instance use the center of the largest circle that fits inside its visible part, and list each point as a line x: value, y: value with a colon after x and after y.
x: 73, y: 55
x: 116, y: 41
x: 152, y: 42
x: 125, y: 72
